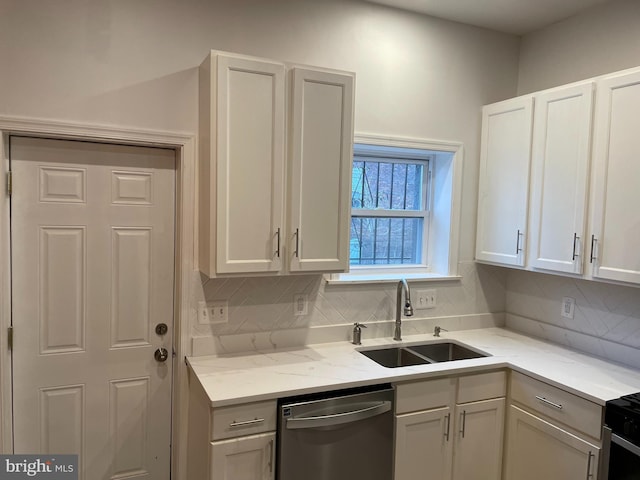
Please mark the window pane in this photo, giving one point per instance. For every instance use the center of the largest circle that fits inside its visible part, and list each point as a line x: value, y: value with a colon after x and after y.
x: 370, y: 185
x: 386, y: 240
x: 384, y: 185
x: 414, y: 187
x: 357, y: 181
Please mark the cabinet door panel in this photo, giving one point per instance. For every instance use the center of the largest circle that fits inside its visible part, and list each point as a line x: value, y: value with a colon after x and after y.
x: 537, y: 449
x: 504, y: 181
x: 250, y: 128
x: 246, y: 458
x: 424, y: 445
x: 478, y: 446
x: 616, y: 218
x: 560, y: 166
x: 320, y: 180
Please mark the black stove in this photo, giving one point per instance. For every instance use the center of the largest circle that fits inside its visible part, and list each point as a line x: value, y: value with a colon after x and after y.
x: 622, y: 416
x: 621, y: 439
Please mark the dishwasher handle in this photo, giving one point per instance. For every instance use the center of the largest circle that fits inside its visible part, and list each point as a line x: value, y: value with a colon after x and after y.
x: 377, y: 408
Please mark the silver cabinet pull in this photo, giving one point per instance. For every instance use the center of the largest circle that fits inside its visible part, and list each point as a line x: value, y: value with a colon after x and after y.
x: 575, y: 241
x: 270, y: 456
x: 549, y: 402
x: 246, y: 423
x: 297, y: 234
x: 589, y: 474
x: 278, y: 243
x: 446, y: 433
x: 518, y: 249
x: 463, y: 416
x: 593, y: 241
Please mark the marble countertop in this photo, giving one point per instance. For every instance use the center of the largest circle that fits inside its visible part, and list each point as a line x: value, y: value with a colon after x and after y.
x: 255, y: 376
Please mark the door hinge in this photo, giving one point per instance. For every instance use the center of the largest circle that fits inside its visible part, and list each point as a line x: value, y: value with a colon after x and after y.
x: 10, y: 337
x: 9, y: 183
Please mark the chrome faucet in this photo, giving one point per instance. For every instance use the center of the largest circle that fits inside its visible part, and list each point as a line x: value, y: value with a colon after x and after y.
x: 408, y: 309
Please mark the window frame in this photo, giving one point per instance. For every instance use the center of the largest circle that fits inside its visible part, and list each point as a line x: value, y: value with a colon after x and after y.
x: 361, y: 153
x: 445, y: 195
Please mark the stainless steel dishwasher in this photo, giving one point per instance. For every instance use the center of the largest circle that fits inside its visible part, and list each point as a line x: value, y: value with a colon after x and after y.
x: 345, y: 436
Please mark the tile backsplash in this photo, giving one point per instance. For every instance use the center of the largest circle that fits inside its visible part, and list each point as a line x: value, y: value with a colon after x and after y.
x: 261, y: 313
x: 606, y: 317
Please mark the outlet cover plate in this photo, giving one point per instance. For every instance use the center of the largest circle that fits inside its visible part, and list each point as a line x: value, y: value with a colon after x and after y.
x: 425, y: 299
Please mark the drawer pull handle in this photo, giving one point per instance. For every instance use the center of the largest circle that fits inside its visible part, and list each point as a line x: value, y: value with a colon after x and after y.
x: 270, y: 456
x: 549, y: 402
x: 246, y: 423
x: 463, y: 417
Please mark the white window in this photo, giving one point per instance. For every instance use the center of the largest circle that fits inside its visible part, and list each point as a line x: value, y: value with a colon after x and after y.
x: 389, y: 206
x: 405, y: 210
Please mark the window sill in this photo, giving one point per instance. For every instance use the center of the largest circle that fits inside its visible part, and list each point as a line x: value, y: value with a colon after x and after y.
x: 377, y: 277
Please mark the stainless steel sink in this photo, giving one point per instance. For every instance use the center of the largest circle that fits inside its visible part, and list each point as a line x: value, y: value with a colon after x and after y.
x: 393, y: 357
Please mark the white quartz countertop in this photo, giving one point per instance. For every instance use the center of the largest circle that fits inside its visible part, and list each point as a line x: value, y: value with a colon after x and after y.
x: 250, y: 377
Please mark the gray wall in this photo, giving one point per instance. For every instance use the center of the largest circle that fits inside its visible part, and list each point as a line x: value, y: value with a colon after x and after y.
x: 602, y: 40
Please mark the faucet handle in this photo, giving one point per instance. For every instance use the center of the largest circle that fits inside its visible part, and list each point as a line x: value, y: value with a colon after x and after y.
x: 358, y: 325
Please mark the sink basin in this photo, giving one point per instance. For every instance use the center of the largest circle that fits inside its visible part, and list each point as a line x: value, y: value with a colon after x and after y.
x: 445, y: 352
x: 393, y: 357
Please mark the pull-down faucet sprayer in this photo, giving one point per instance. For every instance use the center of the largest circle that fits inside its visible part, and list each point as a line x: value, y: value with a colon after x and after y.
x: 408, y: 309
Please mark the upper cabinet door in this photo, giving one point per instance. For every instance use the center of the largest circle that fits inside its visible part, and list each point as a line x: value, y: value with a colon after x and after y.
x: 504, y: 181
x: 320, y: 170
x: 560, y: 178
x: 616, y: 216
x: 242, y: 180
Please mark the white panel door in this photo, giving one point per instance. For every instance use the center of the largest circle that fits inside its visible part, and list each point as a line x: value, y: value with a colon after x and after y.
x: 92, y: 229
x: 244, y: 458
x: 320, y: 179
x: 477, y: 454
x: 537, y: 450
x: 560, y: 178
x: 616, y: 216
x: 504, y: 181
x: 424, y: 445
x: 250, y: 156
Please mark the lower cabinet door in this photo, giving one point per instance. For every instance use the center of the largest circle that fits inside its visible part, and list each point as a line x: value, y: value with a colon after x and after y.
x: 244, y: 458
x: 478, y: 440
x: 424, y: 445
x: 537, y: 449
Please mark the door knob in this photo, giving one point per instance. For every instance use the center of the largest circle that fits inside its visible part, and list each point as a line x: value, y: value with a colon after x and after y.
x: 161, y: 354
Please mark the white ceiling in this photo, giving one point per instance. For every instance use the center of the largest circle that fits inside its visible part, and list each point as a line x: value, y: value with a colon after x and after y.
x: 510, y: 16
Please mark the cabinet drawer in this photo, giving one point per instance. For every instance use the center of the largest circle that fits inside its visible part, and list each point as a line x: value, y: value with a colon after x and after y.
x: 482, y: 386
x: 423, y: 395
x: 574, y: 411
x: 246, y: 419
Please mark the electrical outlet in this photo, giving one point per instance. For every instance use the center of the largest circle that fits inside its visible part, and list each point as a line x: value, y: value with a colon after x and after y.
x: 568, y: 307
x: 213, y: 312
x: 300, y: 304
x: 425, y: 299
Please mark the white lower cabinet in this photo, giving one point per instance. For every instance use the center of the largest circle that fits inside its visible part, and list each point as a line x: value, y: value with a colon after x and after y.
x: 478, y: 440
x: 423, y: 446
x: 245, y: 458
x: 551, y: 433
x: 455, y: 431
x: 538, y: 449
x: 236, y: 442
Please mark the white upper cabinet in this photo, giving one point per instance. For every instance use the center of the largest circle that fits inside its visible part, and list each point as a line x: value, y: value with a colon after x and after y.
x: 615, y: 214
x: 504, y: 181
x: 560, y: 178
x: 242, y: 159
x: 320, y: 174
x: 245, y: 160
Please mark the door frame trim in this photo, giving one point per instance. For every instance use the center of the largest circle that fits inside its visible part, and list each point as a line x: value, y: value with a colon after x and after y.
x: 184, y: 143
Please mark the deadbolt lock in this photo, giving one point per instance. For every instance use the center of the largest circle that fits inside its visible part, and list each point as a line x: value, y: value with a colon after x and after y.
x: 161, y: 328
